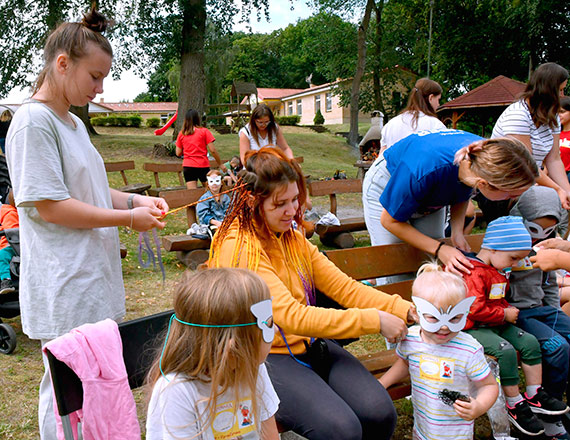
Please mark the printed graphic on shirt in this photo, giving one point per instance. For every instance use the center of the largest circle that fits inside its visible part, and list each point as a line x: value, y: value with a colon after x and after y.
x: 437, y: 368
x: 230, y: 424
x: 497, y: 291
x: 523, y: 264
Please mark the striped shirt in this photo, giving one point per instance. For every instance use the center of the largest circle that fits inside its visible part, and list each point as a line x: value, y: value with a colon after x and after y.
x: 516, y: 119
x: 433, y: 368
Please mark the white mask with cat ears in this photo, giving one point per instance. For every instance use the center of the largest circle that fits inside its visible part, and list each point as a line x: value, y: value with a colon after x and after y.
x: 264, y: 315
x: 214, y: 180
x: 424, y: 307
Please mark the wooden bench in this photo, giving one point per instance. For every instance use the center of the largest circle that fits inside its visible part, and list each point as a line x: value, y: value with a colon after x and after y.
x: 157, y: 168
x: 121, y: 167
x: 189, y: 250
x: 337, y: 236
x: 379, y: 261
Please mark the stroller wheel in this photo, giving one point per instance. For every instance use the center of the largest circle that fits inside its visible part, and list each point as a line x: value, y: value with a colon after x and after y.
x: 7, y: 339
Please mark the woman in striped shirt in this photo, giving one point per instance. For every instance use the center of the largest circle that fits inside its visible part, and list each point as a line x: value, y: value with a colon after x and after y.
x: 533, y: 119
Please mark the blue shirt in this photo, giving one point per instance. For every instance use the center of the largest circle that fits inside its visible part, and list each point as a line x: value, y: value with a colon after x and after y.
x: 210, y: 209
x: 423, y: 177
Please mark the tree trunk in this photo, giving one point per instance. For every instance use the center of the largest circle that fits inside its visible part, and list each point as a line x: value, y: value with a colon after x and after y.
x: 83, y: 114
x: 377, y: 57
x: 192, y: 79
x: 361, y: 64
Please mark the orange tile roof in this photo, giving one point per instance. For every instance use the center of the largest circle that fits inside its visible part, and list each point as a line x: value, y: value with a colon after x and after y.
x: 141, y: 107
x: 500, y: 91
x: 267, y: 93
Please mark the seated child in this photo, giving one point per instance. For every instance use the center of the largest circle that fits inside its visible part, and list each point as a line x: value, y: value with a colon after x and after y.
x: 209, y: 380
x: 491, y: 321
x: 535, y: 293
x: 439, y: 356
x: 8, y: 220
x: 212, y: 212
x: 233, y: 167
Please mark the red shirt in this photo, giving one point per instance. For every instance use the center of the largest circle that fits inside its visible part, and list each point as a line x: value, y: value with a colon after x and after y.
x: 194, y: 147
x: 8, y: 219
x: 488, y: 286
x: 565, y: 149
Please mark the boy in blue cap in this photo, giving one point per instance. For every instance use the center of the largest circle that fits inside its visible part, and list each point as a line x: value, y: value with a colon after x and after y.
x: 491, y: 321
x: 535, y: 293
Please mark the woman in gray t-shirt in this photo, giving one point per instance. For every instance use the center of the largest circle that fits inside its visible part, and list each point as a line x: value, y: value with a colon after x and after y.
x: 70, y: 271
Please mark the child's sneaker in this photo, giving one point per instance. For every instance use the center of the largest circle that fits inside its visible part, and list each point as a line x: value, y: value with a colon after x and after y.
x: 523, y: 418
x: 542, y: 403
x: 6, y: 286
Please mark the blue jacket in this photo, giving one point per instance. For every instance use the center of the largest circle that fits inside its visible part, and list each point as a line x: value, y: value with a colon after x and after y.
x: 210, y: 209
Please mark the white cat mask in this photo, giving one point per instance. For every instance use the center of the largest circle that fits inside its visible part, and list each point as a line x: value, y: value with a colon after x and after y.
x: 443, y: 318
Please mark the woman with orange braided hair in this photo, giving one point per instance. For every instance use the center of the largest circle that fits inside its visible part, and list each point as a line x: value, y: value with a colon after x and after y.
x: 346, y: 402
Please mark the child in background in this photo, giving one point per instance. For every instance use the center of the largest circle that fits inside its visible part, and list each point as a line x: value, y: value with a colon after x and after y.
x: 210, y: 379
x: 194, y: 142
x: 439, y: 356
x: 211, y: 212
x: 233, y: 167
x: 491, y: 321
x: 565, y: 133
x: 535, y: 293
x: 8, y: 220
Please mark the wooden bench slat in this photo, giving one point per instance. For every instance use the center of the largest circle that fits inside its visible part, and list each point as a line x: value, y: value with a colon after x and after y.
x: 184, y: 243
x: 346, y: 225
x: 391, y: 259
x: 328, y: 187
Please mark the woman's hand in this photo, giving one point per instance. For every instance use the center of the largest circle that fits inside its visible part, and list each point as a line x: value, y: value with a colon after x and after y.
x: 151, y: 202
x: 564, y: 198
x: 145, y: 218
x: 454, y: 260
x: 548, y: 259
x: 555, y: 243
x: 459, y: 241
x: 392, y: 327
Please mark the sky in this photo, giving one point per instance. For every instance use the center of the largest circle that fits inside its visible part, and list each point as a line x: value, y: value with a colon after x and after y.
x: 130, y: 85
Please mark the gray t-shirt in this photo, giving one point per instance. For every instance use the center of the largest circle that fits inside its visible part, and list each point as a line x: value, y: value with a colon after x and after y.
x: 68, y: 276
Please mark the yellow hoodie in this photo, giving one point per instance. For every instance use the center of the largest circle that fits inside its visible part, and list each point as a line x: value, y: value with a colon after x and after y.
x: 290, y: 310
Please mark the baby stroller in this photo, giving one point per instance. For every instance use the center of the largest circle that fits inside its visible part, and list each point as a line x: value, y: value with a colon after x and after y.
x: 9, y: 304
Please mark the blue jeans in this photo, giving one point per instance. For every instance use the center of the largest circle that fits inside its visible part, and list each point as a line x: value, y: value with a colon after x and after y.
x: 551, y: 327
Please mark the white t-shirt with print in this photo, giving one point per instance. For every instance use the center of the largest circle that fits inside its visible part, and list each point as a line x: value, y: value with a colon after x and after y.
x: 516, y: 119
x: 177, y: 410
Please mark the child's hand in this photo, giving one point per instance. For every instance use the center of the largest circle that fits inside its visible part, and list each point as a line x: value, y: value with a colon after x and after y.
x: 468, y: 410
x: 547, y: 259
x: 511, y: 314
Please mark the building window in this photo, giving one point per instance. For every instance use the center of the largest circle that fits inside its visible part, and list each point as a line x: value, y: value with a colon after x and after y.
x: 163, y: 119
x: 317, y: 102
x: 299, y: 107
x: 397, y: 103
x: 290, y: 108
x: 328, y: 102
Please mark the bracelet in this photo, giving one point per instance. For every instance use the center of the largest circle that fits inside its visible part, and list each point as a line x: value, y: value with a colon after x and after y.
x: 441, y: 243
x: 132, y: 217
x: 130, y: 201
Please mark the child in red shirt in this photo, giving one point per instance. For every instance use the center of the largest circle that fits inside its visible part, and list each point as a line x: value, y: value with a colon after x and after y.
x: 8, y: 220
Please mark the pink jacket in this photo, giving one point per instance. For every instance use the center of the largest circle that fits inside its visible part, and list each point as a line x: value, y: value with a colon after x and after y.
x: 95, y: 353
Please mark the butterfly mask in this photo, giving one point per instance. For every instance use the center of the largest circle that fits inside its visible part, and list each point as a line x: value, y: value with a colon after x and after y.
x: 443, y: 318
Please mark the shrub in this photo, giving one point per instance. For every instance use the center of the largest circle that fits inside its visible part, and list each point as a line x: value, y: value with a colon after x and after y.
x: 153, y: 122
x: 319, y: 118
x: 135, y: 120
x: 170, y: 148
x: 288, y: 120
x: 97, y: 121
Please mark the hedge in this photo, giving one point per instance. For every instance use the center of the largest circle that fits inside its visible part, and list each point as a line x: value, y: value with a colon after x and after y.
x: 288, y: 120
x: 153, y: 122
x: 117, y: 121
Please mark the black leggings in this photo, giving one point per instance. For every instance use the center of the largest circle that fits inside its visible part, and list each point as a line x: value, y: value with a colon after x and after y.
x: 352, y: 405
